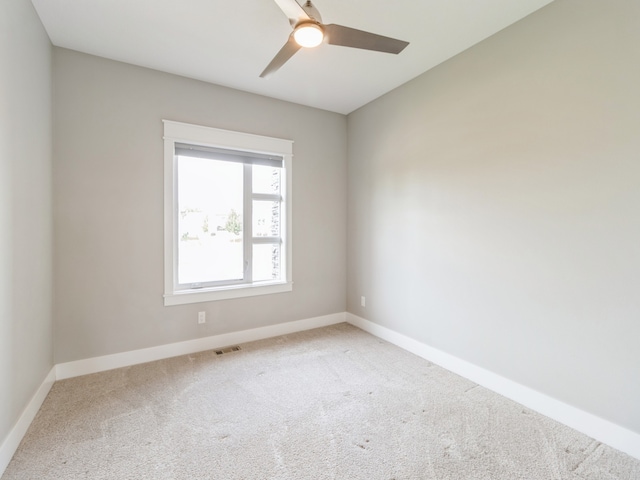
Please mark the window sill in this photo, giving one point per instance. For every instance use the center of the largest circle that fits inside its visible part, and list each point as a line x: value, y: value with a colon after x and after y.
x: 183, y: 297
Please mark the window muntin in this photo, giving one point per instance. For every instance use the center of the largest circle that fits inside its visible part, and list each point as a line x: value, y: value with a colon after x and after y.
x: 227, y: 214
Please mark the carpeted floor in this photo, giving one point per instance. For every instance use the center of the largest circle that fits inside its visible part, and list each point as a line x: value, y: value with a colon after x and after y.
x: 332, y: 403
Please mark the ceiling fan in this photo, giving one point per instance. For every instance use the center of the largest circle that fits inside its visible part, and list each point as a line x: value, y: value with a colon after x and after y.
x: 309, y: 31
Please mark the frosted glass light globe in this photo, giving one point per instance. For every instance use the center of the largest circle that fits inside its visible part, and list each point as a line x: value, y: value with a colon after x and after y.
x: 308, y: 35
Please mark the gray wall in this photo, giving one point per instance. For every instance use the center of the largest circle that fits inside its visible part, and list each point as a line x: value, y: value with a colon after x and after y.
x: 494, y: 206
x: 25, y: 208
x: 108, y: 206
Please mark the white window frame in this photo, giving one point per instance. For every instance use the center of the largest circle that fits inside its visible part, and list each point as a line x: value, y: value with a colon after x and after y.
x: 178, y: 132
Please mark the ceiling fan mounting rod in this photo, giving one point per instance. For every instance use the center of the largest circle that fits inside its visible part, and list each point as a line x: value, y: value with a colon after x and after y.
x: 312, y: 11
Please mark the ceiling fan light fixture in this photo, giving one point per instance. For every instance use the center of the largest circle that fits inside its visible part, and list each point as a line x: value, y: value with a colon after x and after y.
x: 308, y: 35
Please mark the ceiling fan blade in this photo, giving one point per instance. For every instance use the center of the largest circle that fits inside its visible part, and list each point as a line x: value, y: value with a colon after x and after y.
x: 294, y: 12
x: 285, y: 53
x: 350, y: 37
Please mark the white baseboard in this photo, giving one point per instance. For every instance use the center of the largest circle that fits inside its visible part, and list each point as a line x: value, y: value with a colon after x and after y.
x: 602, y: 430
x: 125, y: 359
x: 596, y: 427
x: 12, y: 441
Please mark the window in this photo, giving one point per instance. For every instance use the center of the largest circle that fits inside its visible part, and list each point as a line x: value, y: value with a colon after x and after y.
x: 227, y: 214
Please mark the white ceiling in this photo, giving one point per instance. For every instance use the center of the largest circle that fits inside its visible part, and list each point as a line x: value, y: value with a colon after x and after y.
x: 230, y: 42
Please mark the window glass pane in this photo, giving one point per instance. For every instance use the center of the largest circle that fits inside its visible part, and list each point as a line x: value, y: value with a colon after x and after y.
x: 266, y: 179
x: 266, y: 262
x: 210, y: 206
x: 266, y: 218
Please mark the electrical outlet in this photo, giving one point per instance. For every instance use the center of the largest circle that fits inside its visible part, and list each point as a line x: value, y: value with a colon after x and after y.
x: 363, y: 301
x: 202, y: 317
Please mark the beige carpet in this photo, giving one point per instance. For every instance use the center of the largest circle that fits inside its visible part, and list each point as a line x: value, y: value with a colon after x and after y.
x: 332, y: 403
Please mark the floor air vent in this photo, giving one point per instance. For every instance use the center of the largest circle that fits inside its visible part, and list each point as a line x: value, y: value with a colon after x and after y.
x: 221, y: 351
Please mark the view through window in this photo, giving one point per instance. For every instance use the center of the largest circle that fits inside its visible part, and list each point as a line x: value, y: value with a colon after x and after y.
x: 214, y: 228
